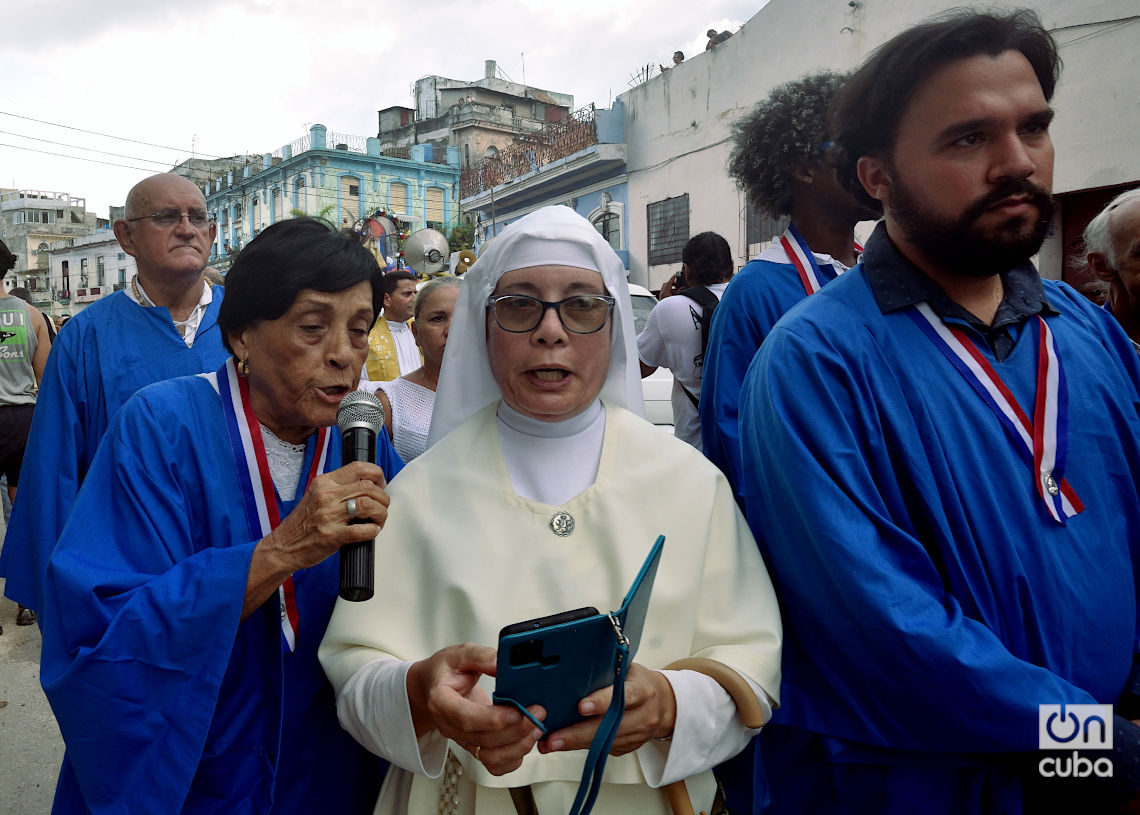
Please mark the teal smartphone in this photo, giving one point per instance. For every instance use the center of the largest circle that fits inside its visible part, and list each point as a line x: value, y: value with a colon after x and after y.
x: 558, y: 660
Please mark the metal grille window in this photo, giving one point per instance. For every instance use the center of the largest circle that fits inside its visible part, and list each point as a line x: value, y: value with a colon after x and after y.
x: 762, y: 228
x: 668, y: 229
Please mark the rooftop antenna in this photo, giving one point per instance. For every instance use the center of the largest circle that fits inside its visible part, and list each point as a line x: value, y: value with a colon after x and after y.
x: 522, y: 56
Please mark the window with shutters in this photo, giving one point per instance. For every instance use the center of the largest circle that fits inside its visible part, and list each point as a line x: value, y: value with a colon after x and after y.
x: 398, y: 197
x: 434, y: 207
x: 349, y: 197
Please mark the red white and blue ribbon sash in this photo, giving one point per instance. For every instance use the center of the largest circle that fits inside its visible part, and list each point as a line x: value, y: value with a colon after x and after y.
x: 812, y: 276
x: 1044, y: 439
x: 256, y: 484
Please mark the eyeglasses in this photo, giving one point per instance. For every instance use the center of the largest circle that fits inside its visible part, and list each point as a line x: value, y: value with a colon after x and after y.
x: 166, y: 218
x: 580, y: 314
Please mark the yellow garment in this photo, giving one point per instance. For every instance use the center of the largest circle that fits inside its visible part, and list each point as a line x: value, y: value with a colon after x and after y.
x: 382, y: 364
x: 491, y: 559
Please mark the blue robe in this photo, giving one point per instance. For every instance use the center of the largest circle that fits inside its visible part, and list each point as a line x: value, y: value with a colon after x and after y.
x: 930, y: 601
x: 756, y: 298
x: 166, y: 702
x: 104, y: 354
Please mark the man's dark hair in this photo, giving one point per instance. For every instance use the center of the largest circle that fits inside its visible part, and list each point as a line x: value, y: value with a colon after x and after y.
x: 7, y: 259
x: 22, y: 293
x: 865, y: 114
x: 392, y: 280
x: 709, y: 259
x: 291, y: 255
x: 783, y: 133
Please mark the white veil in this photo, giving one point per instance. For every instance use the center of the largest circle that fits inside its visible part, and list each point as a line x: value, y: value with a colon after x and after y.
x: 553, y: 235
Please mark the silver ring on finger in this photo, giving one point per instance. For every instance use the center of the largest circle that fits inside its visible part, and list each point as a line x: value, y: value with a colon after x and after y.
x: 350, y: 505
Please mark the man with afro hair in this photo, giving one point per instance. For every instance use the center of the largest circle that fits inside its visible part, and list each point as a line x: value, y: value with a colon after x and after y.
x: 782, y: 159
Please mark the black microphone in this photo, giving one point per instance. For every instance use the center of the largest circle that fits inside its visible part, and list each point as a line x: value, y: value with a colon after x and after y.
x: 359, y: 418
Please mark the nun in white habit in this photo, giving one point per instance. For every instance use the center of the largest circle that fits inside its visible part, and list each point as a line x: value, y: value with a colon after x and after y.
x: 542, y: 491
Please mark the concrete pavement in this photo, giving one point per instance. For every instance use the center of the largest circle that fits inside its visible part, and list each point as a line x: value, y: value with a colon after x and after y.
x: 30, y: 745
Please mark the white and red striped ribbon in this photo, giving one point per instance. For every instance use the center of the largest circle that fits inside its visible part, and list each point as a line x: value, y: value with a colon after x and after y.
x: 257, y: 484
x: 1041, y: 436
x: 811, y: 277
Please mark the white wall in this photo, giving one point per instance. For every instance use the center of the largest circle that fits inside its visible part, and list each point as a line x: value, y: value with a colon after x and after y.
x: 677, y: 124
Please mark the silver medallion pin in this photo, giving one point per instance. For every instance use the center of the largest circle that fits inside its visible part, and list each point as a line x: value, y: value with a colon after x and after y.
x: 1051, y: 486
x: 562, y: 523
x: 284, y: 613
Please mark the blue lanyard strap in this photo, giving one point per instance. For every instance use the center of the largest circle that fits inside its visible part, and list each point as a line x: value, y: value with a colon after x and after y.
x: 591, y: 782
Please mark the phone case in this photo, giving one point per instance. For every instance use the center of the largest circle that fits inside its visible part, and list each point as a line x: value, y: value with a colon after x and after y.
x: 559, y: 660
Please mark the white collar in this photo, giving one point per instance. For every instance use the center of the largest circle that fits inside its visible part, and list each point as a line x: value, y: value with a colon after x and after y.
x: 552, y: 462
x: 549, y: 430
x: 138, y: 294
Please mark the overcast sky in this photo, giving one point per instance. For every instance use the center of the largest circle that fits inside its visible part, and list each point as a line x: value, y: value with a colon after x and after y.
x: 223, y: 77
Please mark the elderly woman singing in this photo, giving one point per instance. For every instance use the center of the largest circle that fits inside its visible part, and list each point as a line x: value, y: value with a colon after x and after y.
x: 180, y: 656
x: 555, y: 491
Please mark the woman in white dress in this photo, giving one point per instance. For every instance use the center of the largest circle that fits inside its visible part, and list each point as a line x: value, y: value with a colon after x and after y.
x: 542, y: 491
x: 408, y: 399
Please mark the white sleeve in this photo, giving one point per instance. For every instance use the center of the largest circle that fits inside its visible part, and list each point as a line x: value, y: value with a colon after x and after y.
x: 672, y: 336
x: 706, y: 733
x: 373, y: 707
x: 651, y: 342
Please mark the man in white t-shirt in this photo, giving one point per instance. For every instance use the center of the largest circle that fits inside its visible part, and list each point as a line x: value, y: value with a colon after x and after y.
x: 676, y: 333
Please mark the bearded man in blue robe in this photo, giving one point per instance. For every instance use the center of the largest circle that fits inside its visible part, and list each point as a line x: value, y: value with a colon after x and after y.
x: 941, y: 456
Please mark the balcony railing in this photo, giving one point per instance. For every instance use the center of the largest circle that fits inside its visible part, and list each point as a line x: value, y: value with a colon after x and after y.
x: 57, y: 198
x: 531, y: 151
x: 301, y: 145
x: 343, y: 141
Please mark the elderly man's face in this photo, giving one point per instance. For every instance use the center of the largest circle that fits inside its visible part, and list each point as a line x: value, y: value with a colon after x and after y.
x: 549, y: 373
x: 1126, y: 244
x: 166, y: 250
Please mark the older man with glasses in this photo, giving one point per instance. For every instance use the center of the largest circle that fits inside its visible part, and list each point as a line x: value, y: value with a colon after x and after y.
x: 164, y: 324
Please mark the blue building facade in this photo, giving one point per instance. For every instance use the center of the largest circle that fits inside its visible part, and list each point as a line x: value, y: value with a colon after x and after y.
x: 340, y: 178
